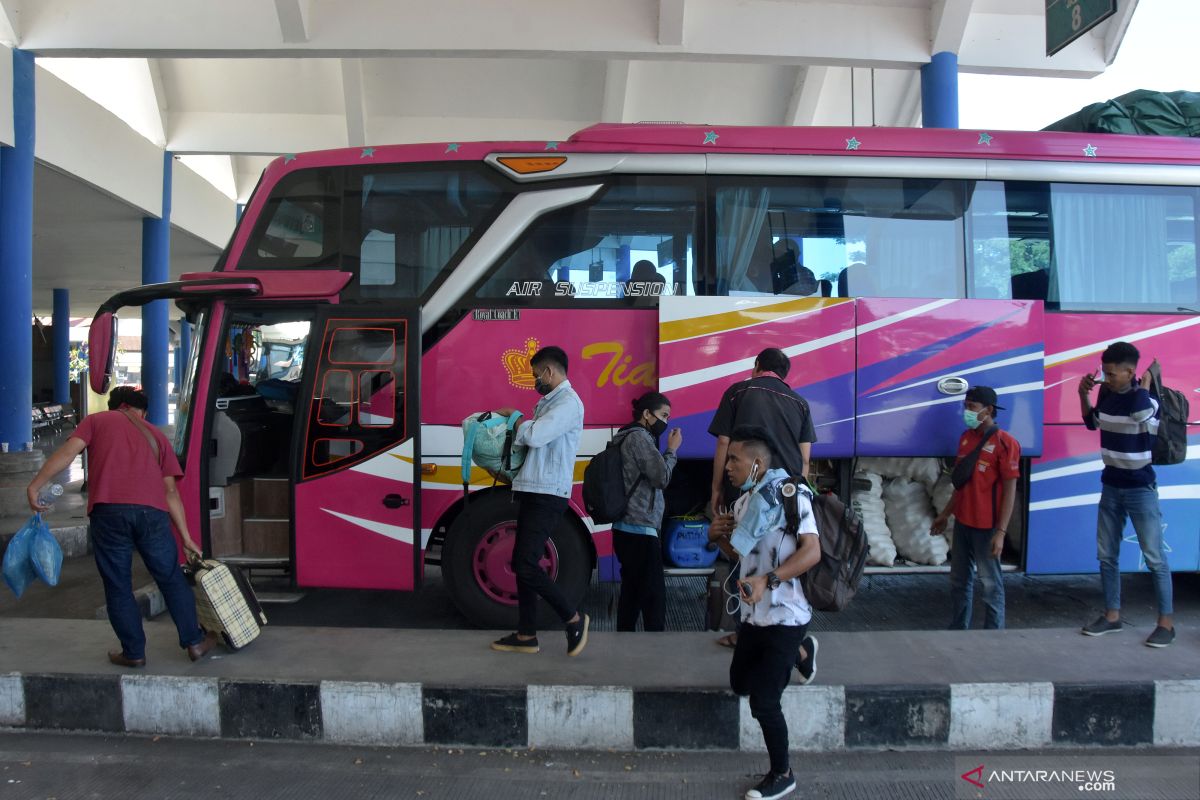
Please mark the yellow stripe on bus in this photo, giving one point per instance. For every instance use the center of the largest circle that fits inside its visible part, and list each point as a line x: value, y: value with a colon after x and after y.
x: 732, y: 320
x: 452, y: 475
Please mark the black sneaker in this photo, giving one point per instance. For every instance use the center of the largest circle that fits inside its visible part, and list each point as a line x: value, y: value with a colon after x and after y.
x: 1161, y: 637
x: 772, y: 786
x: 512, y: 644
x: 1100, y: 627
x: 577, y: 635
x: 807, y: 665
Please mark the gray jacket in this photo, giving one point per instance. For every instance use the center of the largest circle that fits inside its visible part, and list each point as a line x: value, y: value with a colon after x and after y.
x: 640, y: 457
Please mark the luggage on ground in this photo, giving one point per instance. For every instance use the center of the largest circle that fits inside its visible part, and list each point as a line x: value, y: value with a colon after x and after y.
x: 225, y: 602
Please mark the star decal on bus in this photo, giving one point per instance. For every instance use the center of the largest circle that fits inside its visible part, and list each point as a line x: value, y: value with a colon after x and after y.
x: 1090, y: 151
x: 1166, y: 548
x: 367, y: 152
x: 985, y: 138
x: 452, y: 147
x: 853, y: 143
x: 289, y: 158
x: 710, y: 137
x: 551, y: 146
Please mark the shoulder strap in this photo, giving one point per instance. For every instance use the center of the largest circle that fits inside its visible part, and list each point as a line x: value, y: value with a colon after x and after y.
x: 141, y: 426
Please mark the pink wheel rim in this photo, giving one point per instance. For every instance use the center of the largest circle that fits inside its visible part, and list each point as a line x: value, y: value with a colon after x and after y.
x: 491, y: 563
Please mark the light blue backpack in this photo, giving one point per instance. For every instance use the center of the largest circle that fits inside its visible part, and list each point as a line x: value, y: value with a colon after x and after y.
x: 488, y: 442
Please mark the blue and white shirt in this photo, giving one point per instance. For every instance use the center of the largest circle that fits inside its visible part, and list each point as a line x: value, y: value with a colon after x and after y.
x: 553, y: 440
x: 1128, y: 423
x: 762, y: 529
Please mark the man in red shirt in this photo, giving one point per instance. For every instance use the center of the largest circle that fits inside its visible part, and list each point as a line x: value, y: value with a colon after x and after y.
x: 132, y: 501
x: 982, y: 509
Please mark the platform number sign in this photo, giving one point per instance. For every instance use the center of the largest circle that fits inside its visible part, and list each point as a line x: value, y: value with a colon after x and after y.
x: 1067, y: 20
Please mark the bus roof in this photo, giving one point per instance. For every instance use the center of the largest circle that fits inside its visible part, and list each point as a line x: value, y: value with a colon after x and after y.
x: 863, y: 142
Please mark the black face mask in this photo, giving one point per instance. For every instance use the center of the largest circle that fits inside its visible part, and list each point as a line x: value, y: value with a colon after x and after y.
x: 541, y: 387
x: 657, y: 428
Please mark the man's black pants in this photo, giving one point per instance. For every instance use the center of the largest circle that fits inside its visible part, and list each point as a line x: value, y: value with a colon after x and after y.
x: 761, y: 669
x: 537, y: 516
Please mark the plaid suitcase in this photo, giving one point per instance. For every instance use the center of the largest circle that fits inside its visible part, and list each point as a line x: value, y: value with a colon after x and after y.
x: 225, y: 602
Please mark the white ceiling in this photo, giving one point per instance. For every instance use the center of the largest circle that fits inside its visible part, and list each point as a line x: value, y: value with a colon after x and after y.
x: 239, y: 81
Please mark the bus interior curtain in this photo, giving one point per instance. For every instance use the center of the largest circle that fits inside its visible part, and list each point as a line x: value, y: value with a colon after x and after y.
x: 740, y: 217
x: 1108, y: 246
x: 905, y: 257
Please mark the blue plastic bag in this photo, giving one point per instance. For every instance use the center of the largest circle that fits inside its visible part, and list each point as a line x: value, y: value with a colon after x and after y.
x: 46, y: 554
x: 18, y: 566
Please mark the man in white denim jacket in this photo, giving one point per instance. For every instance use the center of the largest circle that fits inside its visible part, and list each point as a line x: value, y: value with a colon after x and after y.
x: 542, y: 489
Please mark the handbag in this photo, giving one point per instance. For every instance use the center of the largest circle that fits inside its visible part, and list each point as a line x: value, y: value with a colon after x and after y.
x: 961, y: 474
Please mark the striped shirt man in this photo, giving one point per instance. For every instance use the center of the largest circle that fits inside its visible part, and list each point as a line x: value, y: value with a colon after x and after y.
x: 1128, y: 423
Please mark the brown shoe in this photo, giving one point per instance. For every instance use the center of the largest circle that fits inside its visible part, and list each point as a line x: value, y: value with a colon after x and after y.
x: 198, y: 651
x: 122, y: 660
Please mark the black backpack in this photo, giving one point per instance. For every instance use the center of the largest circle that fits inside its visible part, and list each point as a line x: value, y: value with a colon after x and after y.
x: 1170, y: 445
x: 830, y: 584
x: 604, y: 494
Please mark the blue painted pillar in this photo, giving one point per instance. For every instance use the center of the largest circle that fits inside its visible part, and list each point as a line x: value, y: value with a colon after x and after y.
x: 61, y: 345
x: 156, y: 260
x: 16, y: 261
x: 939, y: 91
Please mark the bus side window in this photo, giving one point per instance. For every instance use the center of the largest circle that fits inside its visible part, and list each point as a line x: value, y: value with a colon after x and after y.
x: 868, y: 237
x: 413, y: 221
x: 1085, y: 247
x: 590, y: 251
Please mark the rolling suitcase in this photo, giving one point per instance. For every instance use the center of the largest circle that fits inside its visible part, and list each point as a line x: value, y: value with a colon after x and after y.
x: 225, y: 602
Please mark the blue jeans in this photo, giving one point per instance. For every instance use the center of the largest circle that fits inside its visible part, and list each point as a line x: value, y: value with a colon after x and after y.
x: 972, y: 547
x: 1140, y: 504
x: 117, y: 529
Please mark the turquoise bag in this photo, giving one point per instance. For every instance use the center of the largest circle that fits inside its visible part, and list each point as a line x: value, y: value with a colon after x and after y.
x: 488, y: 443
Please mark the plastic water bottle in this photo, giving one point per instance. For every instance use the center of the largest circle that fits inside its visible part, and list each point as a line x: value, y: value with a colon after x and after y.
x: 49, y: 494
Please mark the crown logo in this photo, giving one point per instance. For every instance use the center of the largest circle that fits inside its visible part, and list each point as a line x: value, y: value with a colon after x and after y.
x: 516, y: 362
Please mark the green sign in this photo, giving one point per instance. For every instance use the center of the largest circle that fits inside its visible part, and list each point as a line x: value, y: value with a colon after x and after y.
x: 1067, y: 20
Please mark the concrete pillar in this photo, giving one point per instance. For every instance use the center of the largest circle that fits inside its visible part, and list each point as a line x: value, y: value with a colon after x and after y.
x: 61, y: 346
x: 16, y: 261
x: 156, y: 261
x: 939, y: 91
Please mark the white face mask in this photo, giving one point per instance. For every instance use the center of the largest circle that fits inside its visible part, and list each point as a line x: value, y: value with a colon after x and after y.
x: 749, y: 484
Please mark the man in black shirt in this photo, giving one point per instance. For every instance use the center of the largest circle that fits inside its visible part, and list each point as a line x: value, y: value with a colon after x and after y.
x: 766, y: 400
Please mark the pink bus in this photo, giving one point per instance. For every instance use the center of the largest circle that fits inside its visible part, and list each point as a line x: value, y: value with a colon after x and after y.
x: 371, y: 298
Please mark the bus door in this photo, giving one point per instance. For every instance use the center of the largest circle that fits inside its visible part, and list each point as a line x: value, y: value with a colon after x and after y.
x: 916, y: 358
x: 356, y: 463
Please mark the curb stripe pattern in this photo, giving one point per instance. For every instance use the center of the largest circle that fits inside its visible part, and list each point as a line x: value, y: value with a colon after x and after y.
x: 966, y: 716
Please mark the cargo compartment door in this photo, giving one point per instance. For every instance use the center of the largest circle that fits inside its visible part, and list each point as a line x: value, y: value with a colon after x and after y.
x: 917, y: 357
x: 706, y: 344
x: 357, y: 457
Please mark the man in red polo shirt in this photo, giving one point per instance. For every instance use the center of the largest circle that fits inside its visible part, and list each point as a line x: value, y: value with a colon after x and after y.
x: 982, y: 509
x: 132, y: 502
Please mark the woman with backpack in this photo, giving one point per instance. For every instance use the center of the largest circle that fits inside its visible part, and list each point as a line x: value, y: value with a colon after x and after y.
x: 635, y: 535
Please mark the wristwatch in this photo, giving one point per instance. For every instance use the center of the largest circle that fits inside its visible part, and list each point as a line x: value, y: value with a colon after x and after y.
x: 773, y: 581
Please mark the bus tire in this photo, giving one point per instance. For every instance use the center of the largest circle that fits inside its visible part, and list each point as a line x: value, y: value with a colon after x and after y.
x: 476, y: 563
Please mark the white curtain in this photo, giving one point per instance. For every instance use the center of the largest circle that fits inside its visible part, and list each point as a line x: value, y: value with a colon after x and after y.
x: 1109, y: 246
x: 740, y: 217
x: 907, y: 257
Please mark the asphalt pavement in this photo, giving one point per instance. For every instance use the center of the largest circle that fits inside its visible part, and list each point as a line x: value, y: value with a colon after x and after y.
x: 44, y: 766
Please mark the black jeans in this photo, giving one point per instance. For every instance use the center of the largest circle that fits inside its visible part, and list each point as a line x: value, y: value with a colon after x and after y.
x: 762, y: 666
x: 643, y: 590
x: 537, y: 516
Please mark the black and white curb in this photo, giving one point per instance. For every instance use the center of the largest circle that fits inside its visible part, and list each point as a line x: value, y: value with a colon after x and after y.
x: 966, y: 716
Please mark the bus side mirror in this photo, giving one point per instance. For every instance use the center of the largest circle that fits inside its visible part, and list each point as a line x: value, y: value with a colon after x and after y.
x: 102, y: 351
